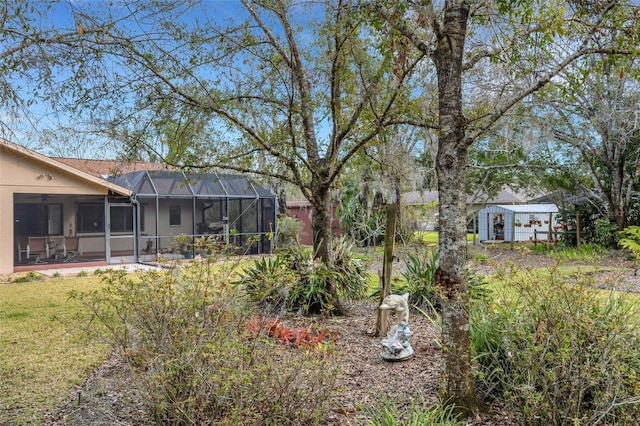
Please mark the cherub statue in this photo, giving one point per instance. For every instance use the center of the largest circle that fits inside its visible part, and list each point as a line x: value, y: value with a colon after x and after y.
x: 399, y: 303
x: 396, y: 346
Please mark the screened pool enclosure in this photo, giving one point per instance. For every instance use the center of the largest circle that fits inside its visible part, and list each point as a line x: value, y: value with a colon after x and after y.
x: 170, y: 204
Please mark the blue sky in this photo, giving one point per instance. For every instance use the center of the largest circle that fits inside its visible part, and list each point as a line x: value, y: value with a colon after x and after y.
x: 36, y: 119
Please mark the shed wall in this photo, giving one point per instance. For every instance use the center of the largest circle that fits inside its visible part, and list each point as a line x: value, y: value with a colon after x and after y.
x: 517, y: 226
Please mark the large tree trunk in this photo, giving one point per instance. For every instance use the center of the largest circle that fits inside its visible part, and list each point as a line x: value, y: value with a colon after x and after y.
x: 321, y: 228
x: 616, y: 210
x: 456, y: 382
x: 321, y: 224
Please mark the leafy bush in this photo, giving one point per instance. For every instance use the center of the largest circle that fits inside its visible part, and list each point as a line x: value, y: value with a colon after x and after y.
x: 595, y: 227
x: 295, y: 281
x: 190, y: 343
x: 360, y: 214
x: 419, y: 274
x: 269, y: 283
x: 605, y: 233
x: 558, y: 351
x: 352, y: 280
x: 419, y: 281
x: 629, y: 238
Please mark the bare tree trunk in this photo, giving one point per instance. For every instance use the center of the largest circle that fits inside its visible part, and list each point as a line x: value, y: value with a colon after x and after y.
x: 282, y: 200
x: 456, y: 382
x: 321, y: 228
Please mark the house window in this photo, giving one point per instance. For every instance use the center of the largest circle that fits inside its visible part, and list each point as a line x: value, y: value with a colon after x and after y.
x: 174, y: 215
x: 90, y: 218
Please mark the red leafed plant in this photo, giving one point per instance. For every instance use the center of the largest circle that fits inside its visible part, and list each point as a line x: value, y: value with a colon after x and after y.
x: 303, y: 337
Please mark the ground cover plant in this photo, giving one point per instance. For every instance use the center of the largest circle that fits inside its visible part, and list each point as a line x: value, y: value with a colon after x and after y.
x: 41, y: 356
x: 387, y: 413
x: 584, y: 252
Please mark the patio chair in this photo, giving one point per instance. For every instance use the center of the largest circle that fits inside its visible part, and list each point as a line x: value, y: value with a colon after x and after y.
x: 22, y: 248
x: 39, y: 247
x: 71, y: 248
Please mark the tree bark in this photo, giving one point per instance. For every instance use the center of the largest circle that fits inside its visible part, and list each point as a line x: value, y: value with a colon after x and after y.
x: 456, y: 381
x: 321, y: 228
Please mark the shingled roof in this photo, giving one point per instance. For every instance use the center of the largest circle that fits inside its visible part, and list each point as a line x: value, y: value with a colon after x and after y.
x: 103, y: 168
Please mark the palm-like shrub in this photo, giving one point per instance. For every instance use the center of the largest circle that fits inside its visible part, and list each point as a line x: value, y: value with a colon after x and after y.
x: 629, y: 238
x: 419, y: 274
x: 295, y: 281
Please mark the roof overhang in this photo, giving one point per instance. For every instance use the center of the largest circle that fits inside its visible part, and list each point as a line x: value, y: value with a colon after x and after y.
x: 117, y: 189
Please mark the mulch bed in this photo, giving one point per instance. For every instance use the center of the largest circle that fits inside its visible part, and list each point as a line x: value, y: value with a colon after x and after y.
x: 109, y: 397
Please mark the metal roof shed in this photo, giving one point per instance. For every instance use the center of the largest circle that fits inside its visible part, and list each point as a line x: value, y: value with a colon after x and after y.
x: 521, y: 222
x: 195, y: 204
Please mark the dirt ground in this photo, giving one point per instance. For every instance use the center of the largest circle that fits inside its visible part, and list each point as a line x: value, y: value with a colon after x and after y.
x: 109, y: 397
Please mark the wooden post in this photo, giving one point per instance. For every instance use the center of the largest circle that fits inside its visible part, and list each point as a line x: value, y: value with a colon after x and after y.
x: 382, y: 325
x: 475, y: 224
x: 549, y: 234
x: 577, y: 228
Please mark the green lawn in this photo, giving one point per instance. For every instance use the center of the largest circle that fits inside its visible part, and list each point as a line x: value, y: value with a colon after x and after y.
x: 42, y: 355
x: 432, y: 237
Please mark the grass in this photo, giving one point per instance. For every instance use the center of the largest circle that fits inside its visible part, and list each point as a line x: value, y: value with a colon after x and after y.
x: 431, y: 237
x: 41, y: 356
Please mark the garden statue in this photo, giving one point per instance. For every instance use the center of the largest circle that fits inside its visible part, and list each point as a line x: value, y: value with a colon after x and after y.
x: 396, y: 346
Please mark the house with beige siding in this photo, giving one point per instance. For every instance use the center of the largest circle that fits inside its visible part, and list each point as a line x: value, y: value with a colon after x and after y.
x: 43, y: 197
x: 60, y: 211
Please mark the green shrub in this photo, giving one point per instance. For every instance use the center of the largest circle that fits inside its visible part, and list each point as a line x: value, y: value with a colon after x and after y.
x: 629, y: 238
x: 605, y: 233
x: 420, y: 269
x: 187, y: 338
x: 419, y: 281
x: 558, y: 351
x: 269, y: 283
x: 295, y: 281
x: 352, y: 277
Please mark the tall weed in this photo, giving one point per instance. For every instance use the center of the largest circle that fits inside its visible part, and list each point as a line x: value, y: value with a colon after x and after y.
x: 558, y: 351
x: 387, y: 413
